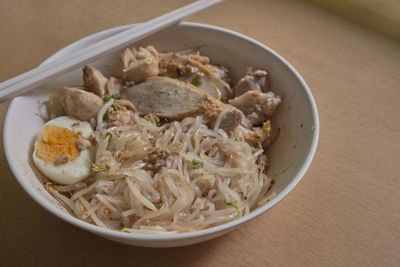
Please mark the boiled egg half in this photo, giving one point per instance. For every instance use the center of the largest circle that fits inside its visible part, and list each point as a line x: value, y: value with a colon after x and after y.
x: 63, y: 153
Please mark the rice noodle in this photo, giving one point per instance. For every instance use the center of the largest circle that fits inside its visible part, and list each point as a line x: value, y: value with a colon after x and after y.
x: 174, y: 178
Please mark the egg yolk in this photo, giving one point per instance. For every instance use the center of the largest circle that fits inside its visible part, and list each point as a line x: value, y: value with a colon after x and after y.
x: 57, y: 141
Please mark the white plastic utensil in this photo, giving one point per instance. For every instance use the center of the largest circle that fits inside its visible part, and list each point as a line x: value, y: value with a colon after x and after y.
x: 42, y: 74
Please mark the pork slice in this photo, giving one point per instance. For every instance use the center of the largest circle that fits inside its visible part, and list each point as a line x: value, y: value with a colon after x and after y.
x: 256, y: 106
x: 253, y: 81
x: 171, y: 99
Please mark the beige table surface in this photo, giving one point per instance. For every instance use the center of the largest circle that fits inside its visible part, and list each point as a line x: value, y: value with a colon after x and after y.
x: 344, y: 212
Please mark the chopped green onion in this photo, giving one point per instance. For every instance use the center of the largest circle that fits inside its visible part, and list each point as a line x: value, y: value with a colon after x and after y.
x: 197, y: 81
x: 106, y: 115
x: 107, y: 97
x: 236, y: 207
x: 197, y: 162
x: 225, y: 80
x: 158, y: 121
x: 108, y: 134
x: 116, y: 96
x: 121, y: 221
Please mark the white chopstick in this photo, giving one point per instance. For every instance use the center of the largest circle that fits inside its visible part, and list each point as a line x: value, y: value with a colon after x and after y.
x: 42, y: 74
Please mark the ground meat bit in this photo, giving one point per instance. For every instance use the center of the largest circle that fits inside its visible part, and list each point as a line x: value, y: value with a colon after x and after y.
x: 107, y: 211
x: 83, y: 143
x: 157, y: 154
x: 120, y: 118
x: 156, y: 159
x: 92, y: 139
x: 62, y: 159
x: 180, y: 71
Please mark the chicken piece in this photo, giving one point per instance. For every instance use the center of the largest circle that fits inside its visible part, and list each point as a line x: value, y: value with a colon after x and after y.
x: 94, y: 80
x: 171, y: 99
x: 137, y: 64
x: 192, y: 71
x: 79, y: 103
x: 229, y: 118
x: 253, y: 81
x: 257, y: 106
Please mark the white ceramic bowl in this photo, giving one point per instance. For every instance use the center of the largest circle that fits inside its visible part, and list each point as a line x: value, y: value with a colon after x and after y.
x: 290, y: 156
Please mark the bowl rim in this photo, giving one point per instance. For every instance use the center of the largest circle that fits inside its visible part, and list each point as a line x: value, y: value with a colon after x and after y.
x: 176, y: 236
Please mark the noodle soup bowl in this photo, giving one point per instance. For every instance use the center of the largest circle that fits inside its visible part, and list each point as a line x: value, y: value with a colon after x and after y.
x: 290, y: 155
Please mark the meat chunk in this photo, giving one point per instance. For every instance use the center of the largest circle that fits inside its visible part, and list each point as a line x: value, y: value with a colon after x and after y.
x: 192, y: 71
x: 256, y: 106
x: 172, y: 99
x: 229, y: 118
x: 137, y: 64
x: 94, y: 80
x: 253, y: 81
x: 79, y: 103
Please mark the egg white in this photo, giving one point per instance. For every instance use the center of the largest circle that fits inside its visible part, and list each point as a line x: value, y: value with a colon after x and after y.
x: 73, y: 171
